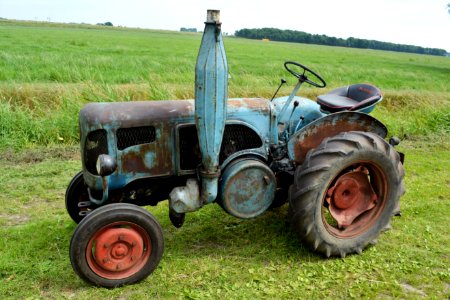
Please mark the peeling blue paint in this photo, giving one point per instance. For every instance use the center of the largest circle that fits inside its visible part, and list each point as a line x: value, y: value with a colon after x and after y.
x: 149, y: 160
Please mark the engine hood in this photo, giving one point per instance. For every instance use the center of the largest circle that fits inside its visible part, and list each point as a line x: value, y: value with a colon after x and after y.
x: 140, y: 113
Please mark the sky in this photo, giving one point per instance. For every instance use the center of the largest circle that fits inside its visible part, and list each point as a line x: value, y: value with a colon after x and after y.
x: 423, y: 23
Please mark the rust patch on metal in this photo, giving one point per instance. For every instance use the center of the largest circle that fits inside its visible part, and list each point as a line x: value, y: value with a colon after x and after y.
x: 131, y: 114
x: 154, y: 158
x: 255, y: 104
x: 133, y: 162
x: 312, y: 135
x: 350, y: 197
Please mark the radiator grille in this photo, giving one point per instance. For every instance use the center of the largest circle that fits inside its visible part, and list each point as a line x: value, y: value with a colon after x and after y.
x: 96, y: 144
x: 236, y: 137
x: 127, y: 137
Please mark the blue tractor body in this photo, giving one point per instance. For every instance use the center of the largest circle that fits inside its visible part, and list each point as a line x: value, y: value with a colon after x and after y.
x: 326, y: 158
x: 158, y: 139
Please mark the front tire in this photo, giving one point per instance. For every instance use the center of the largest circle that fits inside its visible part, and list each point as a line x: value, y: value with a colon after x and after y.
x: 116, y: 244
x: 345, y: 193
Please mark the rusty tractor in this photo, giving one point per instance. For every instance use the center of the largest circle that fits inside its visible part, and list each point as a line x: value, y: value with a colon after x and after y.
x: 327, y: 158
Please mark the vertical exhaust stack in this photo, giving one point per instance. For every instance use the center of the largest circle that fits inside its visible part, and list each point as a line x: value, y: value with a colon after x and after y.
x: 211, y: 93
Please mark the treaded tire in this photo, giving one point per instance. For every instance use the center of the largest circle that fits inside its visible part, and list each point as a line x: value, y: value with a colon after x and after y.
x: 76, y: 192
x: 321, y: 169
x: 101, y: 224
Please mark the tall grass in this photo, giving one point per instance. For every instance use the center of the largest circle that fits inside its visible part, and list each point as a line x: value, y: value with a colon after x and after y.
x: 412, y: 113
x: 47, y: 73
x: 23, y: 127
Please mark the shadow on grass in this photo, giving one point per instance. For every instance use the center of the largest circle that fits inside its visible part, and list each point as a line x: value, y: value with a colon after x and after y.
x: 212, y: 233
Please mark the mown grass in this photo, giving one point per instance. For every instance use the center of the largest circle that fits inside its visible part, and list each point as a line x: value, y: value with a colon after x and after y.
x: 215, y: 255
x: 48, y: 71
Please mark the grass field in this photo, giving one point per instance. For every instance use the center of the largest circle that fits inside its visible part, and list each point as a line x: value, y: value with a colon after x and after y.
x: 48, y: 71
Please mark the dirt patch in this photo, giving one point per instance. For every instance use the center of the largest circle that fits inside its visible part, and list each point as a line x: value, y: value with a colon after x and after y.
x: 13, y: 220
x: 40, y: 154
x: 410, y: 289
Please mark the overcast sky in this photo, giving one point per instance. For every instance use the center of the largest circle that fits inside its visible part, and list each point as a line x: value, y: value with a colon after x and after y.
x: 415, y: 22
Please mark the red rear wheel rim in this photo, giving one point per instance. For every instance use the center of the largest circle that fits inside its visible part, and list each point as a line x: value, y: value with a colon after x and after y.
x: 355, y: 200
x: 118, y: 250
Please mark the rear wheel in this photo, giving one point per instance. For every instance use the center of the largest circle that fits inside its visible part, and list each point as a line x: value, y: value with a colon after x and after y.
x: 116, y: 244
x: 77, y: 198
x: 345, y: 193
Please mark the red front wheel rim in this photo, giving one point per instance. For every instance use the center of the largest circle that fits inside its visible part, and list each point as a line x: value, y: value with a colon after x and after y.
x: 118, y: 250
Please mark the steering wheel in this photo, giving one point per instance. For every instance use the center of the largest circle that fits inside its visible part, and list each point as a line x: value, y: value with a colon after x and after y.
x: 302, y: 77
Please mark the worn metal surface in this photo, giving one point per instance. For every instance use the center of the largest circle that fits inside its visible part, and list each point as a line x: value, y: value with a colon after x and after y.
x: 247, y: 188
x: 160, y: 157
x: 136, y: 161
x: 185, y: 198
x: 313, y: 134
x: 105, y: 192
x: 351, y: 196
x: 118, y: 250
x: 115, y: 247
x: 133, y: 114
x: 211, y: 93
x: 238, y: 137
x: 284, y: 114
x: 306, y: 112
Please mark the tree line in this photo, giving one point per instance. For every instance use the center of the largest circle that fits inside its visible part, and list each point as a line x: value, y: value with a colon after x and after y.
x: 184, y: 29
x: 294, y: 36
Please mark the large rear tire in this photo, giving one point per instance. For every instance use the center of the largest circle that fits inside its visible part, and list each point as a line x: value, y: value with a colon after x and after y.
x: 345, y: 193
x: 116, y: 244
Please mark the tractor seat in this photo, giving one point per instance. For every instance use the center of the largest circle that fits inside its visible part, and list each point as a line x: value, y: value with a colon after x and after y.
x: 356, y: 97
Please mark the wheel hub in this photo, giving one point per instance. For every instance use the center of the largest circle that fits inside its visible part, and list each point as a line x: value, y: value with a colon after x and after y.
x: 118, y: 249
x: 351, y: 196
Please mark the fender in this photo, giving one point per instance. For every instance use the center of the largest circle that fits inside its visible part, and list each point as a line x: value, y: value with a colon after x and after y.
x: 312, y: 135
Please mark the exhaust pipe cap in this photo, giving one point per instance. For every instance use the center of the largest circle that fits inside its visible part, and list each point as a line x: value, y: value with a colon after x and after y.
x: 213, y: 16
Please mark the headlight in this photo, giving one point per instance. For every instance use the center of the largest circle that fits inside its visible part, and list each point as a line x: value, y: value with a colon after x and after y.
x: 106, y: 165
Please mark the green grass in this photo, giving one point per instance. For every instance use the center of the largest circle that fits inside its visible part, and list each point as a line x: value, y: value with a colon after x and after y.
x: 215, y: 255
x: 48, y: 71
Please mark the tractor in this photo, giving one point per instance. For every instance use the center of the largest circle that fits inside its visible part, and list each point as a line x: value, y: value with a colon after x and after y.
x: 328, y: 159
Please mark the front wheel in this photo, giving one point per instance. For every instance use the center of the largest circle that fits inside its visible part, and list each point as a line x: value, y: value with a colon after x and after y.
x: 345, y: 193
x: 116, y: 244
